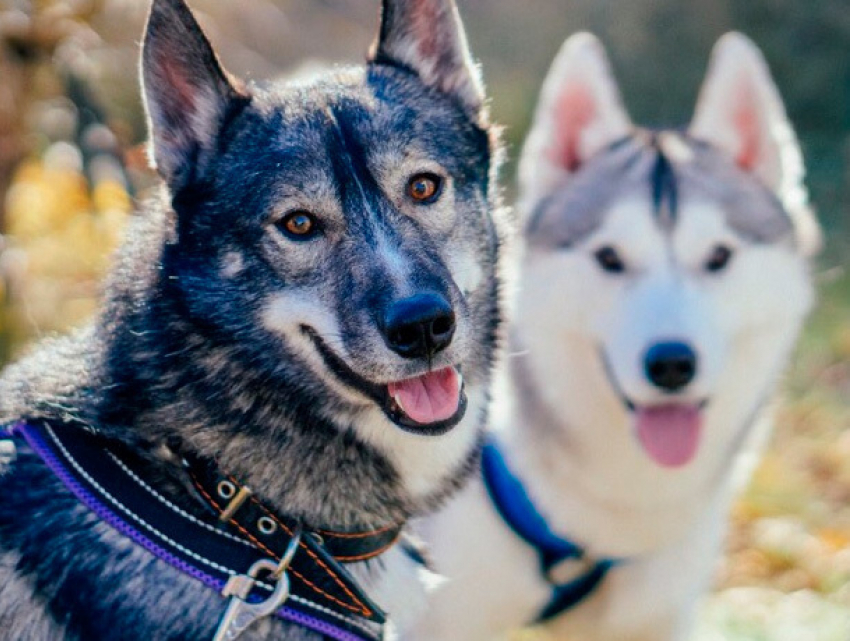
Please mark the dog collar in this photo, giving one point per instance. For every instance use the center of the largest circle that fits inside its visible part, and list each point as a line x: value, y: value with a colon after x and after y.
x: 223, y: 554
x: 563, y: 563
x: 235, y: 504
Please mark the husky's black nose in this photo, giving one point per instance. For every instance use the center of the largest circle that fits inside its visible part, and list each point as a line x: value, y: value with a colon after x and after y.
x: 419, y: 326
x: 670, y: 366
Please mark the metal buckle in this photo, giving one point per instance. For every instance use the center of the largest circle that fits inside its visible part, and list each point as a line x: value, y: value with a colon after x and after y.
x: 240, y: 614
x: 235, y: 503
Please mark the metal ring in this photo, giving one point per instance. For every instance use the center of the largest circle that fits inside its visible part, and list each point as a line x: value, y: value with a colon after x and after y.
x: 291, y: 549
x: 318, y: 538
x: 226, y: 490
x: 266, y: 525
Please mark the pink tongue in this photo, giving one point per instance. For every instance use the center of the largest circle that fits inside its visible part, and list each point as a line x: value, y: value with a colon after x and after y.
x: 429, y: 398
x: 670, y: 433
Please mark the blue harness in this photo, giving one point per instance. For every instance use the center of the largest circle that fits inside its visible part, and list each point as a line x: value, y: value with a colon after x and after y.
x: 519, y: 512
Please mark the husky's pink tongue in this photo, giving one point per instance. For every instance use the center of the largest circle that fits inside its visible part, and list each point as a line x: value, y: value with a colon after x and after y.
x: 429, y: 398
x: 670, y: 434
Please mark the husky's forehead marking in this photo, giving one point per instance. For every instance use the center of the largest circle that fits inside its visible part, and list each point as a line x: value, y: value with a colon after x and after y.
x: 665, y: 190
x: 572, y: 213
x: 349, y: 162
x: 750, y: 209
x: 670, y: 171
x: 359, y: 187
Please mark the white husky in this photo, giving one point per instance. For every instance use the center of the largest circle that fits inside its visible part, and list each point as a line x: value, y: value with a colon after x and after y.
x: 664, y: 282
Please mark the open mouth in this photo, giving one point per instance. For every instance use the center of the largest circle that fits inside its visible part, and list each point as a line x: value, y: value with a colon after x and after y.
x: 434, y: 402
x: 669, y: 433
x: 429, y: 404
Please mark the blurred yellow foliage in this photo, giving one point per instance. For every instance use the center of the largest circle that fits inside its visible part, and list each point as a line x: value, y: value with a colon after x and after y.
x: 61, y: 233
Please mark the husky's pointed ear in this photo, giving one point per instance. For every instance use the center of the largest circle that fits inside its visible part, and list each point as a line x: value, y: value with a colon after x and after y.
x: 740, y: 112
x: 579, y: 113
x: 427, y: 37
x: 187, y: 93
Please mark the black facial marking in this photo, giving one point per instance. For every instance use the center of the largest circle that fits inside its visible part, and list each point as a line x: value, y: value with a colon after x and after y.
x: 665, y: 189
x: 350, y: 163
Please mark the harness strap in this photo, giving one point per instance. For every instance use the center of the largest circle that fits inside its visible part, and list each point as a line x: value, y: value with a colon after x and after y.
x: 557, y: 555
x: 236, y: 504
x: 104, y: 477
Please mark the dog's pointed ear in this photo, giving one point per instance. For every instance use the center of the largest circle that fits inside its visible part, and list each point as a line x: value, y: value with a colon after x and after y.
x: 427, y: 38
x: 186, y: 91
x: 740, y: 112
x: 578, y: 114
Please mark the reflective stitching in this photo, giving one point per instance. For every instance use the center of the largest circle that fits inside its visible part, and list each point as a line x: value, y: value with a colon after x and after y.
x: 356, y: 623
x: 363, y: 609
x: 359, y: 608
x: 361, y: 625
x: 368, y: 555
x: 173, y: 507
x: 129, y: 513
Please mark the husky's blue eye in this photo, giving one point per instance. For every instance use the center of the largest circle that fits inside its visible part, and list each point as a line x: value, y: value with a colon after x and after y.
x: 299, y: 225
x: 719, y: 259
x: 609, y: 260
x: 425, y: 188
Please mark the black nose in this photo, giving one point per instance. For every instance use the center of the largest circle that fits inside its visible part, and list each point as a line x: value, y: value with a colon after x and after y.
x: 419, y: 326
x: 670, y: 366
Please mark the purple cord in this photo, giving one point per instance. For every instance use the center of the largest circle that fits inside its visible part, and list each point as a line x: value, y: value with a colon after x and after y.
x: 90, y: 501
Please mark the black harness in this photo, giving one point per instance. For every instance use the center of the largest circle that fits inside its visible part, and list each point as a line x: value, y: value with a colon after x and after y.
x: 224, y: 550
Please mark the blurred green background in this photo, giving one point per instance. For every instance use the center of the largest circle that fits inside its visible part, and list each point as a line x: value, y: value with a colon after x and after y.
x: 71, y: 167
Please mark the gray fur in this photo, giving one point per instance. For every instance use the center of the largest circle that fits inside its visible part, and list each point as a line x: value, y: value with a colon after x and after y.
x: 751, y: 210
x: 223, y: 337
x: 699, y: 173
x: 576, y: 210
x: 427, y: 37
x: 24, y: 616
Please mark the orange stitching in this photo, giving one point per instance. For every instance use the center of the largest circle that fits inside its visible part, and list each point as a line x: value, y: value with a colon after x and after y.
x: 296, y: 573
x: 356, y: 535
x: 368, y: 555
x: 362, y: 608
x: 263, y: 547
x: 312, y: 555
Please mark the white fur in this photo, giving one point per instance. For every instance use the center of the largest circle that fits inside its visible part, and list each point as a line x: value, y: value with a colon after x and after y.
x: 466, y: 271
x: 423, y: 461
x: 399, y: 588
x: 232, y: 264
x: 739, y: 101
x: 586, y: 471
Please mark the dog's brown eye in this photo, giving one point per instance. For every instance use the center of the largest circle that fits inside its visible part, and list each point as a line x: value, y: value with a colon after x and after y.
x: 299, y: 225
x: 609, y: 260
x: 719, y: 259
x: 424, y: 188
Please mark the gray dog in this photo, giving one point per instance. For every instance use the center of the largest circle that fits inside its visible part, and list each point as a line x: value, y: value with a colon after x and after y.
x: 291, y: 360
